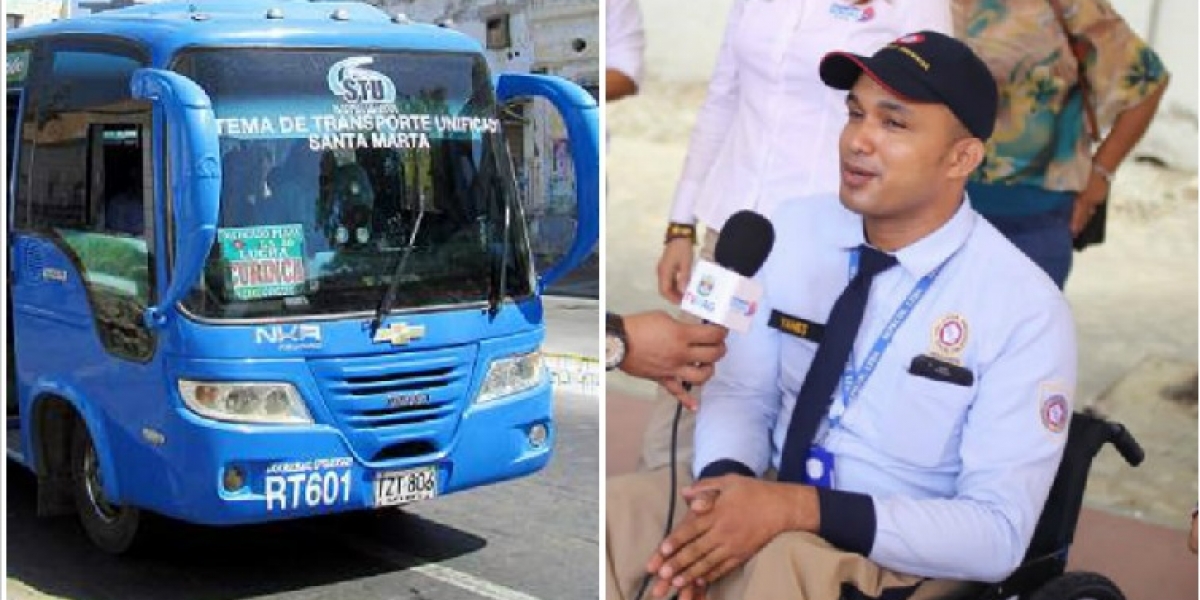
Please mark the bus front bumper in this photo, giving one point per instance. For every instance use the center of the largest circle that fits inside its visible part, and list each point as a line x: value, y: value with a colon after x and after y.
x: 250, y: 474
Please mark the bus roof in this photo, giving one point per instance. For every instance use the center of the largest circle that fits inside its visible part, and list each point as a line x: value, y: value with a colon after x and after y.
x: 167, y: 27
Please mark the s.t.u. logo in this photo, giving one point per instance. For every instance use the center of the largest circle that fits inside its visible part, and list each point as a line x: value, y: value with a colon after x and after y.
x: 355, y: 84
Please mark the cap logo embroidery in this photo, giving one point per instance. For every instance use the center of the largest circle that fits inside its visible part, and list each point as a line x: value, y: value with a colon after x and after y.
x: 912, y: 38
x: 924, y: 64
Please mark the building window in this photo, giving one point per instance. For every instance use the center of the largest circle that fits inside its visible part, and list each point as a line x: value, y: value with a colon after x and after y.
x: 497, y: 33
x: 12, y: 21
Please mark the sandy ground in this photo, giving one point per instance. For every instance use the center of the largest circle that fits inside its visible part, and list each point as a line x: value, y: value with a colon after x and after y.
x: 1134, y: 298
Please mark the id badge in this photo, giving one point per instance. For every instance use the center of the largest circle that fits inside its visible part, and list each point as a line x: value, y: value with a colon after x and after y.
x: 818, y: 468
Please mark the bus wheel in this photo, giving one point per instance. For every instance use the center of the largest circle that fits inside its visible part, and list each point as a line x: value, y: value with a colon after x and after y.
x: 110, y: 526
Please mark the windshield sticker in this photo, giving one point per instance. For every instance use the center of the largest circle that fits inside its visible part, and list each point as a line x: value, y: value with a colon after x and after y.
x: 17, y: 66
x: 366, y: 112
x: 351, y: 81
x: 264, y: 262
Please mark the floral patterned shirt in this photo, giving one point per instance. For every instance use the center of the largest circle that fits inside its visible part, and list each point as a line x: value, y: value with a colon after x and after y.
x: 1040, y: 137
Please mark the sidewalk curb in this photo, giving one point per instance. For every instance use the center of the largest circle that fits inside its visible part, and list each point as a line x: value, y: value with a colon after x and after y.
x: 15, y: 589
x: 574, y: 373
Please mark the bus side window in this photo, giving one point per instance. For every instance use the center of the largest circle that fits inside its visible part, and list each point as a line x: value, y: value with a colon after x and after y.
x: 89, y: 184
x: 117, y: 166
x: 11, y: 126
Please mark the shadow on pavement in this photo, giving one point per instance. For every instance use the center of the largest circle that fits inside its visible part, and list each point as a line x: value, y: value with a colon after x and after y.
x: 53, y: 556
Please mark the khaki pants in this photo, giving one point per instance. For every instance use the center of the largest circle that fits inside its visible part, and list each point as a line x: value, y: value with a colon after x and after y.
x: 793, y: 566
x: 656, y: 442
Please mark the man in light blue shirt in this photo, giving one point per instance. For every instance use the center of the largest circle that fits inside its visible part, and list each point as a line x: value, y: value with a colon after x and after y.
x: 935, y: 451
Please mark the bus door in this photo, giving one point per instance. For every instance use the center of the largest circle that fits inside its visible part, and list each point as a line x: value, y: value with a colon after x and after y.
x: 17, y: 61
x: 81, y: 237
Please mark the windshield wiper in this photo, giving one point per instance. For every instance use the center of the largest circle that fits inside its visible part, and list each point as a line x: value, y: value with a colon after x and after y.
x: 400, y: 268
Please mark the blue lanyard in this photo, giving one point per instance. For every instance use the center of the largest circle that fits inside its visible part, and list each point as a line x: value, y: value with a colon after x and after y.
x: 853, y: 379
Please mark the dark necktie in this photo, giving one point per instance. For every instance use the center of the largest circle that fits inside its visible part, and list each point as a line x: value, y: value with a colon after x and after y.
x: 816, y: 393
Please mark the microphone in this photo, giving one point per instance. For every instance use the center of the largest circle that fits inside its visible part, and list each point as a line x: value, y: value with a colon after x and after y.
x: 722, y: 292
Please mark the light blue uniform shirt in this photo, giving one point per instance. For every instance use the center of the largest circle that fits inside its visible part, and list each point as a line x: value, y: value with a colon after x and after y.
x: 957, y: 474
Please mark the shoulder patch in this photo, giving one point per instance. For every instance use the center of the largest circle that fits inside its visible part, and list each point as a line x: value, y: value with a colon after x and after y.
x: 1055, y: 409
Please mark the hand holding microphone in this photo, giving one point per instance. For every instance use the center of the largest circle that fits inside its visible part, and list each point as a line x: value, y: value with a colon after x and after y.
x: 667, y: 350
x: 722, y: 292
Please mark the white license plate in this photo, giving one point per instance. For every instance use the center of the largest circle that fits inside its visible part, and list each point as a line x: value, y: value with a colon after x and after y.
x: 393, y: 488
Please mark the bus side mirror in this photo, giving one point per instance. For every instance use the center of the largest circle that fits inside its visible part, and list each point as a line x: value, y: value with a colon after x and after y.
x: 581, y: 116
x: 183, y: 113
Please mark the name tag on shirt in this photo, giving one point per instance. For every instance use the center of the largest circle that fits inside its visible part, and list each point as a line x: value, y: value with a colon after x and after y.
x: 939, y: 370
x: 795, y: 326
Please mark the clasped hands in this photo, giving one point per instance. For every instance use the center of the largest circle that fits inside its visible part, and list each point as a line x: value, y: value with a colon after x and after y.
x: 729, y: 519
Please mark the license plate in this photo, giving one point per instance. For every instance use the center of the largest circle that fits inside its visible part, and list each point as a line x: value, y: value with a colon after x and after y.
x: 393, y: 488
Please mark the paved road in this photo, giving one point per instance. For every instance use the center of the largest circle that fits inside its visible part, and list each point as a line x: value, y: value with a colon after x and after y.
x: 527, y: 539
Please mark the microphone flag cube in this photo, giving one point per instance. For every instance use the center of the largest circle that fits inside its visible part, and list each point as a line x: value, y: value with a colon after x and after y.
x: 721, y: 296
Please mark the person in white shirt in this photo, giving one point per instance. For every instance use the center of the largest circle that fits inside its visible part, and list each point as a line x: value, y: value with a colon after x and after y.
x: 914, y: 436
x: 624, y: 42
x: 767, y: 131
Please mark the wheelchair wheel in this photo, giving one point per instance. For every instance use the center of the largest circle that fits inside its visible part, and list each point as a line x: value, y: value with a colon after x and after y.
x: 1079, y: 586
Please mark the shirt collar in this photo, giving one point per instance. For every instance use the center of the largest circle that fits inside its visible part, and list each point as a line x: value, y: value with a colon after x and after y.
x: 922, y: 256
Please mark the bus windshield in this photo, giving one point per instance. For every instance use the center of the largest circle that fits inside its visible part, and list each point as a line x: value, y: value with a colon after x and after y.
x: 344, y: 170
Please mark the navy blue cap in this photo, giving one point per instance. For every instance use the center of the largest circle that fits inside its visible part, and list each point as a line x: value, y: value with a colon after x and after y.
x: 925, y: 67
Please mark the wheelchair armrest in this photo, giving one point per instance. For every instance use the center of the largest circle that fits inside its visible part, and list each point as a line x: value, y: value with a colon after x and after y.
x: 1129, y: 448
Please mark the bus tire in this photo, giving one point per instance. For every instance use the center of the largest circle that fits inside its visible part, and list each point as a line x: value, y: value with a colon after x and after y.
x: 113, y: 528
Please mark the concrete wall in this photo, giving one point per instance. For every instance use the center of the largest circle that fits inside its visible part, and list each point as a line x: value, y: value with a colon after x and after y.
x: 1170, y: 27
x: 34, y: 11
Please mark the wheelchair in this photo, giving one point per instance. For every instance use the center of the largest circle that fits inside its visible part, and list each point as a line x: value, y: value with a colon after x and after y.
x: 1043, y: 573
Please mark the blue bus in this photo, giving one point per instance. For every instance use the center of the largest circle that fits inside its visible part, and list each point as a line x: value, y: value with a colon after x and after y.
x: 266, y: 260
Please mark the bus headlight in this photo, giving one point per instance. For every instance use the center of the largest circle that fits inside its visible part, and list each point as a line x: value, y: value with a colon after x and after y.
x: 510, y: 375
x: 270, y: 403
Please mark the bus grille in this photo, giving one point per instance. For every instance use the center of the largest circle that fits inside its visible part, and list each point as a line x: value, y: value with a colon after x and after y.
x: 398, y: 406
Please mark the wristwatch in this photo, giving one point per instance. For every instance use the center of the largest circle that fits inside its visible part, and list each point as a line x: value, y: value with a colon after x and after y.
x: 614, y: 341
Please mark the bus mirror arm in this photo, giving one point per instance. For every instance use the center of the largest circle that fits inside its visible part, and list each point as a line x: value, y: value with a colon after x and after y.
x: 581, y: 117
x: 183, y: 112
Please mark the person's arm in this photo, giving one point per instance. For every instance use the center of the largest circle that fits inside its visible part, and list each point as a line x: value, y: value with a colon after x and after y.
x: 1127, y: 130
x: 740, y: 404
x: 659, y: 346
x: 1011, y: 446
x: 624, y: 44
x: 708, y: 136
x: 712, y: 123
x: 617, y: 85
x: 1127, y: 80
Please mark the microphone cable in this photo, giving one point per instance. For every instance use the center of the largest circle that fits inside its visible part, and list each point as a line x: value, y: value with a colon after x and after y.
x: 671, y: 491
x: 743, y: 246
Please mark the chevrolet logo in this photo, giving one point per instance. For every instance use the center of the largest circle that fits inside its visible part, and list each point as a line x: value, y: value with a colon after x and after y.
x: 399, y: 334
